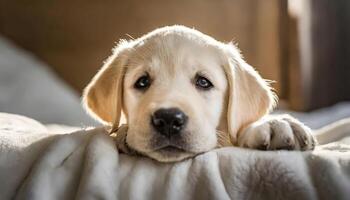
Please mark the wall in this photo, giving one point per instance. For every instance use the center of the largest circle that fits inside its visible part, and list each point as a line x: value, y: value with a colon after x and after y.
x: 74, y: 37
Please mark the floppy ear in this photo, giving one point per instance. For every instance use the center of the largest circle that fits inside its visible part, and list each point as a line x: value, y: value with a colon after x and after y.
x: 102, y: 98
x: 250, y: 96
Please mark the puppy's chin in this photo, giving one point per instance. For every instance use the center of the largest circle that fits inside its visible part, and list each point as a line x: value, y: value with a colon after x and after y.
x: 166, y: 154
x: 164, y: 150
x: 169, y: 155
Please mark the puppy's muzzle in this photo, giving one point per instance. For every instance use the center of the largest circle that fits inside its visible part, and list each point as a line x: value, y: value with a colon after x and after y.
x: 169, y: 122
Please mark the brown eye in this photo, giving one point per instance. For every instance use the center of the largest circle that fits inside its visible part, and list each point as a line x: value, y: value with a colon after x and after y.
x: 203, y: 83
x: 143, y: 82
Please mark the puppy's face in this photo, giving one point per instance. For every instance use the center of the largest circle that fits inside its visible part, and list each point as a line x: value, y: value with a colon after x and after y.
x: 182, y: 93
x: 174, y: 96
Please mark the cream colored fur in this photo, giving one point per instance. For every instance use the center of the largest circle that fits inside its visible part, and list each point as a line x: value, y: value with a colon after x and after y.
x: 234, y: 112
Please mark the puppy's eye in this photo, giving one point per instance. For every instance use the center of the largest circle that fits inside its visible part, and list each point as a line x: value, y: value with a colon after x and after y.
x: 143, y: 82
x: 203, y: 83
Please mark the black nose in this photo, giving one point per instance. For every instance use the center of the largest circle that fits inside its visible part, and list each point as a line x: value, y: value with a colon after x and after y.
x: 169, y: 121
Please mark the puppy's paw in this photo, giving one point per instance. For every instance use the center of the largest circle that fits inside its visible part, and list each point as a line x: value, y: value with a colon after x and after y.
x: 277, y: 132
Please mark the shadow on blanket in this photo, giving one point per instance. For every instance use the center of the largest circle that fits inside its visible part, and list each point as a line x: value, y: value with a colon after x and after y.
x: 38, y: 164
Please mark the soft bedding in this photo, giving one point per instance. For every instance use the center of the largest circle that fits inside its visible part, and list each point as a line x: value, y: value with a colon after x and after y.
x: 39, y: 162
x: 29, y: 87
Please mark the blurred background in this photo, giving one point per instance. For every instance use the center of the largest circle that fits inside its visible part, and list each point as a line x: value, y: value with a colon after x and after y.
x: 49, y: 50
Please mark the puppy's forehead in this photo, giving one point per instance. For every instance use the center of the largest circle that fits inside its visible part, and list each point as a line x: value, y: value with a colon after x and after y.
x: 174, y: 51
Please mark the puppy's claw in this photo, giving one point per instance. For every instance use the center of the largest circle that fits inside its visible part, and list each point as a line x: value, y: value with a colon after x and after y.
x: 263, y: 147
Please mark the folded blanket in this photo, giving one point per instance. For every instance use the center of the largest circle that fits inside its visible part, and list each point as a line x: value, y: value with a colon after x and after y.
x: 37, y: 164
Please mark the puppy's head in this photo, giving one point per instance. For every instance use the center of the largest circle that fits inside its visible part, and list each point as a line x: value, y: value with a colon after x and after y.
x: 181, y: 91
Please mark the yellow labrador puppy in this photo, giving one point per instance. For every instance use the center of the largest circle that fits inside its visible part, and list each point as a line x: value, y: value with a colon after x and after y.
x: 183, y: 93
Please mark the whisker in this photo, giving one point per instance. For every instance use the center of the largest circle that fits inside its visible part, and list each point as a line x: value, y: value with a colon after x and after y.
x: 131, y: 37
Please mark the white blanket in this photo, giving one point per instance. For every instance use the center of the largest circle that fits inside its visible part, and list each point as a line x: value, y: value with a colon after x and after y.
x: 37, y: 164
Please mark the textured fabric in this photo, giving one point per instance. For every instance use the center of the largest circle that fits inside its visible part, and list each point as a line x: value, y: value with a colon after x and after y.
x: 28, y: 87
x: 35, y: 164
x: 321, y: 117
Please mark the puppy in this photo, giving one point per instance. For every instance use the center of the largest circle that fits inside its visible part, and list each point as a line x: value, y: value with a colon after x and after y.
x: 183, y: 93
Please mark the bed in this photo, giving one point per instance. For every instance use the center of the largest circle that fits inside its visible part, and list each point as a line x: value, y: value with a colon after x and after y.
x: 41, y: 160
x: 39, y: 163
